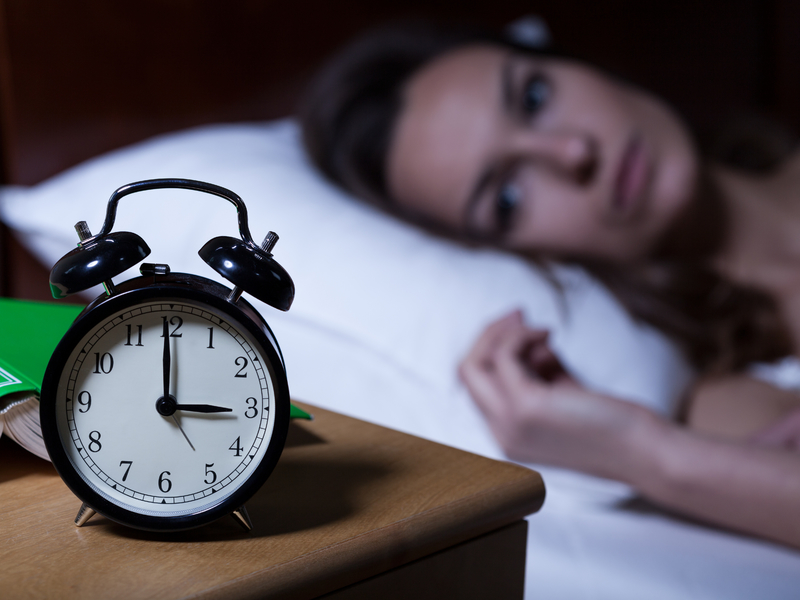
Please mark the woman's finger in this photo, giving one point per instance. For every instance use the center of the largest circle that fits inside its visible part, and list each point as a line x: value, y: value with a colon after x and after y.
x: 511, y: 363
x: 785, y: 432
x: 482, y: 350
x: 485, y: 389
x: 542, y: 360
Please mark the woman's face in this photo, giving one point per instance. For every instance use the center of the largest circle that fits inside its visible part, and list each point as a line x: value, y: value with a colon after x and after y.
x: 540, y: 154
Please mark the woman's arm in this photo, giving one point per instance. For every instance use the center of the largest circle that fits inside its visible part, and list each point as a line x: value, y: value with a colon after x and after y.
x: 738, y: 407
x: 742, y: 486
x: 539, y: 414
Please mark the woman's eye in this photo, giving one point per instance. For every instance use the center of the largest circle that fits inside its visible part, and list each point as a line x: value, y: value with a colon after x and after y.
x: 505, y: 207
x: 535, y: 94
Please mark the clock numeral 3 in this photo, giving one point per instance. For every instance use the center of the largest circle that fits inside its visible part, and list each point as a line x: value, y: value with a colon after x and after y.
x: 252, y: 407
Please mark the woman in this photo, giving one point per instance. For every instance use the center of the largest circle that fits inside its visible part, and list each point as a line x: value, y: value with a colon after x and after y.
x: 490, y: 142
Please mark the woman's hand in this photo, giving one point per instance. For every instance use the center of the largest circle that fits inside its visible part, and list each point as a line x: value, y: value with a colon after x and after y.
x: 784, y: 433
x: 539, y: 413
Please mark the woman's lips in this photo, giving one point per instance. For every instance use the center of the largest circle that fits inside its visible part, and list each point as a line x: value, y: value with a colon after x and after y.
x: 632, y: 178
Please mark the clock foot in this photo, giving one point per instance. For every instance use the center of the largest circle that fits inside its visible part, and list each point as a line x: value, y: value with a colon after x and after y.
x: 84, y: 514
x: 240, y: 516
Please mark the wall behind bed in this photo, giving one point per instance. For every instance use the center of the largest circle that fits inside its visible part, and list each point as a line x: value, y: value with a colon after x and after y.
x: 83, y: 77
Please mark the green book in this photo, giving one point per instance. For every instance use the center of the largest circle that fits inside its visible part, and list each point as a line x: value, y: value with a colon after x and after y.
x: 29, y: 332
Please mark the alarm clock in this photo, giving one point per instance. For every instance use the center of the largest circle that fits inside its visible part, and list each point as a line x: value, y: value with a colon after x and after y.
x: 166, y: 405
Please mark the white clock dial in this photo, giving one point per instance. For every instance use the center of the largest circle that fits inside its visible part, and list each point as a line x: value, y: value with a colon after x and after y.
x: 221, y: 391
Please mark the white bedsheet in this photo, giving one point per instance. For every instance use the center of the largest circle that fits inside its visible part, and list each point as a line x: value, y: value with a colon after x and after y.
x: 382, y: 316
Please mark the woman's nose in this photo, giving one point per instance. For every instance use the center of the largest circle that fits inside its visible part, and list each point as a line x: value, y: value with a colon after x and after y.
x: 574, y: 154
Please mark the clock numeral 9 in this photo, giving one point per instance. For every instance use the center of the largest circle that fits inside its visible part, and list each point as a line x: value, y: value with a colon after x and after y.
x: 164, y: 484
x: 210, y: 473
x: 243, y: 362
x: 85, y: 399
x: 103, y: 364
x: 252, y: 407
x: 94, y: 443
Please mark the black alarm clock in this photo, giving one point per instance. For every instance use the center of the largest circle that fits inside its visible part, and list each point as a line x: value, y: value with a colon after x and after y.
x: 166, y: 404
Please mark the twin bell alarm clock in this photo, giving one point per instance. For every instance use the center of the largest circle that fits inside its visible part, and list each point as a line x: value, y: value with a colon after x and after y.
x: 166, y: 405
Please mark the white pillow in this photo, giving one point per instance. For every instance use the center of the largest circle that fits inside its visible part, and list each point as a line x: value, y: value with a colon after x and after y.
x: 383, y: 312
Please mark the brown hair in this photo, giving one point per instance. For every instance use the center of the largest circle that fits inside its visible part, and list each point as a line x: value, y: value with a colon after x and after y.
x: 348, y: 115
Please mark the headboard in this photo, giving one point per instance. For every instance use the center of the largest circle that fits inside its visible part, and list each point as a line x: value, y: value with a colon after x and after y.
x: 83, y: 77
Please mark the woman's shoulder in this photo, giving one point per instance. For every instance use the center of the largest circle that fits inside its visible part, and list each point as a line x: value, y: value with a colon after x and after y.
x: 789, y: 168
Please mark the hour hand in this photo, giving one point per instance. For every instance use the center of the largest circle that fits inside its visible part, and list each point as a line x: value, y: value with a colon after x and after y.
x: 202, y: 408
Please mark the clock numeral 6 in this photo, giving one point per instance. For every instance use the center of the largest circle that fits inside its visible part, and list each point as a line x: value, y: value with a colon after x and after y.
x: 164, y: 484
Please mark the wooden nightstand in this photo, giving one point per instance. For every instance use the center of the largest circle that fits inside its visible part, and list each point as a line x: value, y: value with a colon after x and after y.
x: 353, y: 510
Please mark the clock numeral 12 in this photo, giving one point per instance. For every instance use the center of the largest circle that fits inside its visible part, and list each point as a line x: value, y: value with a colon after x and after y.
x: 178, y: 322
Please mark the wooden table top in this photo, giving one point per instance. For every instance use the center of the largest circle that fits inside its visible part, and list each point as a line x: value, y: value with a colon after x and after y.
x: 348, y: 500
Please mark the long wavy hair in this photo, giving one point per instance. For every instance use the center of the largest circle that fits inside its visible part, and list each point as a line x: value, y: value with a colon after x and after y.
x: 348, y: 116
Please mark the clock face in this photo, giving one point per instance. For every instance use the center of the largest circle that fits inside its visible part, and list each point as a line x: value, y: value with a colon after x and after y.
x: 166, y: 456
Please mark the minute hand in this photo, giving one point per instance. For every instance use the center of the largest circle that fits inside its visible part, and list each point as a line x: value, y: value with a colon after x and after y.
x: 202, y: 408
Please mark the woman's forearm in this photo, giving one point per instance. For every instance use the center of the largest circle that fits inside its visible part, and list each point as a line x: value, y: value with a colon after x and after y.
x: 742, y: 486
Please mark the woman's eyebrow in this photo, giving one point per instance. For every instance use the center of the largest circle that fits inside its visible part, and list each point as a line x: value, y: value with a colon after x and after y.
x: 506, y: 87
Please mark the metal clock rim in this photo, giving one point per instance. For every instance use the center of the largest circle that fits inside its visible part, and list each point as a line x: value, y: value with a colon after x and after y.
x: 178, y: 286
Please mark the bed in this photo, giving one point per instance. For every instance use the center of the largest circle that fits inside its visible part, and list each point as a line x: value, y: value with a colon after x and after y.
x: 97, y: 95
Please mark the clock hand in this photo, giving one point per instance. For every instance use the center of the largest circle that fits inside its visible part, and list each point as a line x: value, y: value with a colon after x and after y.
x: 167, y: 359
x: 174, y: 418
x: 202, y: 408
x: 167, y: 364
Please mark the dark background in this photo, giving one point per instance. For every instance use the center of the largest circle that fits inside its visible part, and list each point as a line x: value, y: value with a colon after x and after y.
x: 82, y: 77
